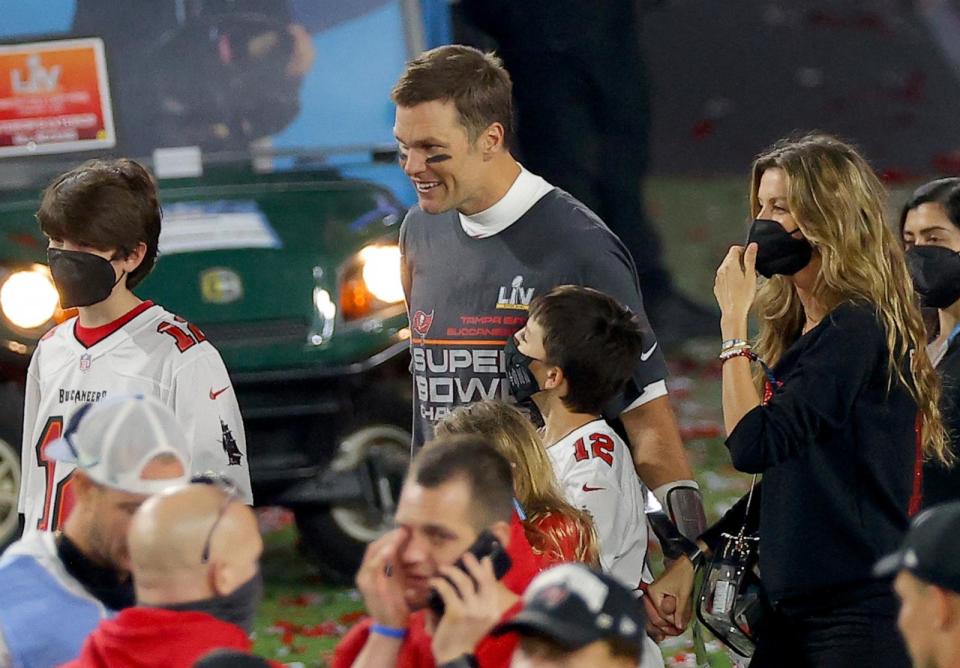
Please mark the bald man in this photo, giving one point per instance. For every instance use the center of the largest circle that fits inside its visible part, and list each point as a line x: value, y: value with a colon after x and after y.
x: 195, y: 557
x: 56, y: 587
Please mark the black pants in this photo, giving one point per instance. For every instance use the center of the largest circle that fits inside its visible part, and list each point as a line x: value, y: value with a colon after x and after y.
x: 850, y: 634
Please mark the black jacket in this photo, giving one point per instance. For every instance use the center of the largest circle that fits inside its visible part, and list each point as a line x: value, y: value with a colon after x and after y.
x: 941, y: 484
x: 837, y: 449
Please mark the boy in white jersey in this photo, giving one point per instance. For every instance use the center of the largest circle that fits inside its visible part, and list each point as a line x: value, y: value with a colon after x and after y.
x: 579, y: 346
x: 103, y: 223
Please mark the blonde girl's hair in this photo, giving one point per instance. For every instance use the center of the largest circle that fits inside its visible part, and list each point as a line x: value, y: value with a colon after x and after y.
x: 535, y: 483
x: 838, y: 203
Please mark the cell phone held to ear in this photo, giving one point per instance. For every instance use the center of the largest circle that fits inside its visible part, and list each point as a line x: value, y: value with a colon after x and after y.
x: 486, y: 545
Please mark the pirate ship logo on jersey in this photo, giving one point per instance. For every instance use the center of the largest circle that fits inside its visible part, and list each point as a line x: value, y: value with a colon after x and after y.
x: 230, y: 445
x: 422, y: 322
x: 85, y: 361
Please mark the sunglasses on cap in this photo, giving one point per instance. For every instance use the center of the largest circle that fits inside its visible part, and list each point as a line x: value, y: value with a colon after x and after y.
x: 231, y: 493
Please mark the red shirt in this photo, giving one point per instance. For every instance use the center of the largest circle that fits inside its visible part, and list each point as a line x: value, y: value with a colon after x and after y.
x: 491, y: 652
x: 157, y: 638
x: 89, y: 336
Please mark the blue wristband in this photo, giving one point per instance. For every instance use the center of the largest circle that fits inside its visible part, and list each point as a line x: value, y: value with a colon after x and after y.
x: 388, y: 631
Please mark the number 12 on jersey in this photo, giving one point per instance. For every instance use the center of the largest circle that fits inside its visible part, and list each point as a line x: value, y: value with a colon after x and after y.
x: 601, y: 447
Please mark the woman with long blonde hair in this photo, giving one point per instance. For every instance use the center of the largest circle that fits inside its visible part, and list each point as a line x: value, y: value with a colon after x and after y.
x: 841, y: 425
x: 556, y: 530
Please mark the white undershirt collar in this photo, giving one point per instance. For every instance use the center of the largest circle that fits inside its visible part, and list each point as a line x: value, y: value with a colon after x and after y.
x: 526, y: 191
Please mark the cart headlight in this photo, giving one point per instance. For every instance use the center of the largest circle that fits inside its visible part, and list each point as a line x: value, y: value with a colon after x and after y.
x: 371, y: 281
x: 28, y: 297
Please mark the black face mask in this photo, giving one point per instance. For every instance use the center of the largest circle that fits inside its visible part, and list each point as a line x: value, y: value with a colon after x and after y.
x: 936, y: 274
x: 778, y: 251
x: 81, y: 278
x: 520, y: 379
x: 238, y: 607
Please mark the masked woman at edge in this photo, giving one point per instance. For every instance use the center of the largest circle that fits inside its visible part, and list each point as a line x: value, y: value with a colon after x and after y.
x: 853, y: 407
x: 930, y: 225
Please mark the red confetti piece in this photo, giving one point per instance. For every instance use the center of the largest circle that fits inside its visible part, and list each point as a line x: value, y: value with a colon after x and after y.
x: 713, y: 370
x: 685, y: 366
x: 895, y: 176
x: 947, y: 163
x: 913, y: 88
x: 699, y: 233
x: 352, y: 617
x: 224, y: 50
x: 301, y: 600
x: 703, y: 129
x: 284, y: 629
x: 290, y: 631
x: 698, y: 431
x: 866, y: 21
x: 274, y: 518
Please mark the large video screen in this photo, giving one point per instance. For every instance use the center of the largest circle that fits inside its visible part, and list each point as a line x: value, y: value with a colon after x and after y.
x: 219, y: 74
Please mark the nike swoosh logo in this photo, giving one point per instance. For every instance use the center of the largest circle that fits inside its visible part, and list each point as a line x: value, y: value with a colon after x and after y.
x: 587, y: 488
x: 214, y: 395
x: 645, y: 356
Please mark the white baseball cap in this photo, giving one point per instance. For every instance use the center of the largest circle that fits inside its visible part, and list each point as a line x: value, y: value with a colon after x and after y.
x: 114, y: 441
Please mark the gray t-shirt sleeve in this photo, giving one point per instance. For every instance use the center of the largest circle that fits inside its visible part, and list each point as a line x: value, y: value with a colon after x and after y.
x: 610, y: 269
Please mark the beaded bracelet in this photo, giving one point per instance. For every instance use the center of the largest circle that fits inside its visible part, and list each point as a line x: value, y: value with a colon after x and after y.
x: 740, y: 352
x: 726, y: 352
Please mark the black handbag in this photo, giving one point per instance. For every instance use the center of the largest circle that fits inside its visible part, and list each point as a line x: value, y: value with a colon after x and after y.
x: 732, y: 602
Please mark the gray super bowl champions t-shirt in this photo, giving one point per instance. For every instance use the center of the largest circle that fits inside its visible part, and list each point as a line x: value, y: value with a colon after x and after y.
x: 466, y: 295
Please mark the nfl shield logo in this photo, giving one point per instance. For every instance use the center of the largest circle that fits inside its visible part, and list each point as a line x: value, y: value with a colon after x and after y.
x: 85, y: 361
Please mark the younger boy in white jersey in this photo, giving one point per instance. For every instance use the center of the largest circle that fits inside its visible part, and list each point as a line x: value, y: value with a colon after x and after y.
x: 573, y: 356
x: 102, y: 220
x: 579, y: 346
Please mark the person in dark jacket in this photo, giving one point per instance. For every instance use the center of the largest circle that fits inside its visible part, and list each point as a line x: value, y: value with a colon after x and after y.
x: 930, y: 225
x: 835, y: 434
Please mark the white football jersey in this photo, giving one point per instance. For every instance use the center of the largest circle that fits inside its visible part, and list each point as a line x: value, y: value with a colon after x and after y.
x: 596, y: 473
x: 155, y: 354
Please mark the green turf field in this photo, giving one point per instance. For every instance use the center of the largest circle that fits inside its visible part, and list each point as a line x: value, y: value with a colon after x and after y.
x: 301, y: 619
